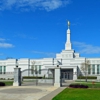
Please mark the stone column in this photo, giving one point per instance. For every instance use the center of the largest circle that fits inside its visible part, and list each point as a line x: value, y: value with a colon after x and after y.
x: 57, y: 82
x: 17, y: 77
x: 75, y: 73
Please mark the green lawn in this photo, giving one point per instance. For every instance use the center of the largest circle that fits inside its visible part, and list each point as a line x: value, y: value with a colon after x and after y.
x: 8, y: 83
x: 92, y: 93
x: 78, y: 94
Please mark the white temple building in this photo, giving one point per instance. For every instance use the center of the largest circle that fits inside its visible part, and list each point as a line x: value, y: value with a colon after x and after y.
x: 68, y: 60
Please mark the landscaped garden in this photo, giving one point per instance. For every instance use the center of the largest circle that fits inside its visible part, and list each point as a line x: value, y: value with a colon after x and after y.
x: 90, y: 84
x: 78, y: 93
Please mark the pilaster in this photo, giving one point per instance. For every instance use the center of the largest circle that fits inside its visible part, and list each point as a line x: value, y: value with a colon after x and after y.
x: 17, y: 77
x: 96, y: 69
x: 75, y: 73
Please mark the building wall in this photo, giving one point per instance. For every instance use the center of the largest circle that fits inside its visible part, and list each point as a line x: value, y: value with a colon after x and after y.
x: 44, y: 63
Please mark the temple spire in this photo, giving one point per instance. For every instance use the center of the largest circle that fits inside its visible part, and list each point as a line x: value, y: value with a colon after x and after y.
x: 68, y: 24
x: 68, y: 42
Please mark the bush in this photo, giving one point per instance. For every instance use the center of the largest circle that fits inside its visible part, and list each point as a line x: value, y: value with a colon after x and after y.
x: 2, y: 78
x: 88, y: 77
x: 78, y: 86
x: 2, y: 84
x: 32, y: 77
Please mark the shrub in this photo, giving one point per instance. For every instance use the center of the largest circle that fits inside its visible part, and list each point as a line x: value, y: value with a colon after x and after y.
x: 31, y: 77
x: 2, y: 84
x: 8, y: 78
x: 88, y: 77
x: 1, y: 78
x: 78, y: 86
x: 36, y: 77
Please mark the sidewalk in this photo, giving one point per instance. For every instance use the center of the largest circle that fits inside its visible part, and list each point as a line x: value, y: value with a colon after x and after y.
x: 57, y: 91
x: 53, y: 94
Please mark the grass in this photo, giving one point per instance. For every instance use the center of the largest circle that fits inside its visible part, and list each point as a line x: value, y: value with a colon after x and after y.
x: 92, y: 93
x: 8, y: 83
x: 78, y: 94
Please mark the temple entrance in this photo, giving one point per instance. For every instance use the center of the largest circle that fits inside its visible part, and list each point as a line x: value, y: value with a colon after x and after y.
x: 67, y: 74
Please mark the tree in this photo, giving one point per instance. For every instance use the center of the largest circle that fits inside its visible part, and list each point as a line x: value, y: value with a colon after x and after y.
x: 85, y: 66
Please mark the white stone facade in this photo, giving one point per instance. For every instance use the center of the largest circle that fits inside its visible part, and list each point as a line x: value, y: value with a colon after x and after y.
x: 69, y: 62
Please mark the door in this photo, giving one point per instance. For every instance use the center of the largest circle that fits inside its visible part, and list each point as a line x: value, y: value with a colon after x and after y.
x: 66, y: 75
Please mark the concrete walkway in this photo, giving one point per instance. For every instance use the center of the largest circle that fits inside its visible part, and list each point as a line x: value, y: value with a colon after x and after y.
x: 52, y: 94
x: 31, y: 92
x: 57, y: 91
x: 25, y: 92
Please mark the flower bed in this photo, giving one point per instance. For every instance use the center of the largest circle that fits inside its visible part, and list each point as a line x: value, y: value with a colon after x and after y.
x: 2, y: 84
x: 78, y: 86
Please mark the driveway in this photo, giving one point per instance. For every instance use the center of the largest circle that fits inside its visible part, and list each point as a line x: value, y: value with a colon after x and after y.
x: 25, y: 92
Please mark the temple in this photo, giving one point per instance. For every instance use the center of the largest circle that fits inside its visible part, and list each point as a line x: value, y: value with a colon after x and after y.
x: 68, y: 60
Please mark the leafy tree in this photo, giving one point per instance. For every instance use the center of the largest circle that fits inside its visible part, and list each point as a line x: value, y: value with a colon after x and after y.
x: 85, y: 66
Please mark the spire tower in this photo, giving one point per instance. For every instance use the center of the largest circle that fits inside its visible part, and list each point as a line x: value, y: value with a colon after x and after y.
x: 68, y: 45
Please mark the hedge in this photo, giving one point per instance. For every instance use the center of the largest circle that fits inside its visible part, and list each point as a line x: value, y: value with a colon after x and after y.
x: 38, y: 77
x: 32, y: 77
x: 88, y: 77
x: 6, y: 78
x: 78, y: 86
x: 2, y: 84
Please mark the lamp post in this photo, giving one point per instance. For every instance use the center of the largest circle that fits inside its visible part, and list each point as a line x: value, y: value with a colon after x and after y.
x: 58, y: 63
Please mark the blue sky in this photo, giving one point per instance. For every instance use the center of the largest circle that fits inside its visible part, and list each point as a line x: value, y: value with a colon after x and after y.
x: 37, y: 28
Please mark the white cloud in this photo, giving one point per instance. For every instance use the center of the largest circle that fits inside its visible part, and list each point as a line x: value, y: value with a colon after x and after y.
x: 33, y: 4
x: 87, y: 48
x: 49, y: 54
x: 24, y: 36
x: 6, y: 45
x: 2, y: 39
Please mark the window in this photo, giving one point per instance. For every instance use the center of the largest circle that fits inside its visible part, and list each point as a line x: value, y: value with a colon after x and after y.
x: 35, y: 69
x: 32, y: 69
x: 98, y: 69
x: 4, y: 69
x: 39, y: 69
x: 0, y: 69
x: 93, y: 69
x: 89, y: 69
